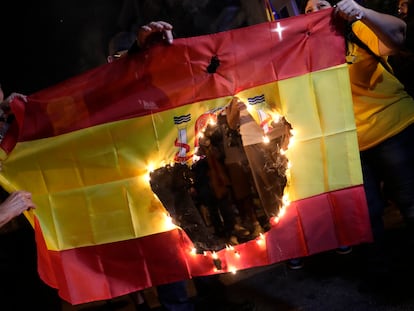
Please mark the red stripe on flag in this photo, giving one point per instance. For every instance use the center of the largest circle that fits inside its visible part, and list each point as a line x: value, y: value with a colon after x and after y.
x: 119, y: 268
x: 171, y: 76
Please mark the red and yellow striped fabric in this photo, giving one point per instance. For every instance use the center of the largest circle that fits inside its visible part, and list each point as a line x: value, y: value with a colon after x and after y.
x: 84, y: 148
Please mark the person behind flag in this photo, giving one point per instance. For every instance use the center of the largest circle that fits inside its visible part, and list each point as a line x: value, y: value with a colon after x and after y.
x: 403, y: 9
x: 403, y: 62
x: 21, y: 287
x: 384, y: 112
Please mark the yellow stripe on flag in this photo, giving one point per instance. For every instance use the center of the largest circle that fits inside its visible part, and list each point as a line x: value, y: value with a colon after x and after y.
x: 92, y: 184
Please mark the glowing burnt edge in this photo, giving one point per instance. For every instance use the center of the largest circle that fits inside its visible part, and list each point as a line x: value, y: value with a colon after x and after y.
x: 260, y: 240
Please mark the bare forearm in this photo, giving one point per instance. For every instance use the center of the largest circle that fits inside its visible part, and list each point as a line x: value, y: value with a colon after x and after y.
x: 389, y: 29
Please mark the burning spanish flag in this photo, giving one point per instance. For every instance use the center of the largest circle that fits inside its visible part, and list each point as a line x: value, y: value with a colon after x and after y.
x: 129, y: 163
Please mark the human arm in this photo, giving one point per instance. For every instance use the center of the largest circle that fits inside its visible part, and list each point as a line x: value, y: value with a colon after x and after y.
x: 389, y: 29
x: 15, y: 204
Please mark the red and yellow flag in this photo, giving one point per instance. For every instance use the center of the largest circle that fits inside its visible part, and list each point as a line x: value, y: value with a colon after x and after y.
x: 85, y: 149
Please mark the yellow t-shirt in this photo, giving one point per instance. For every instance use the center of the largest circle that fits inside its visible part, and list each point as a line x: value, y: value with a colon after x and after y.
x: 381, y: 106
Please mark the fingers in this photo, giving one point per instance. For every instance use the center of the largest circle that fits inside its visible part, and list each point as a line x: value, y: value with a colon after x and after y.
x: 160, y: 26
x: 20, y: 201
x: 5, y: 104
x: 20, y: 195
x: 18, y: 95
x: 349, y: 10
x: 155, y: 27
x: 168, y: 36
x: 166, y: 28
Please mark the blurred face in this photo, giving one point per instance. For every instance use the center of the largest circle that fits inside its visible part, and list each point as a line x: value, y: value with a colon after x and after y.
x: 316, y: 5
x: 402, y: 8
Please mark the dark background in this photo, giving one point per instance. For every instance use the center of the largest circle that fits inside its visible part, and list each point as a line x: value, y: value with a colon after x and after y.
x: 48, y: 41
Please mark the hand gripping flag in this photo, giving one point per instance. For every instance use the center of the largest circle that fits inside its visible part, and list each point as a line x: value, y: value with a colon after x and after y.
x: 111, y: 154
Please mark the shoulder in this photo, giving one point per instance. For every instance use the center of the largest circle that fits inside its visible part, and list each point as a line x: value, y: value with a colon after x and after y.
x: 361, y: 30
x: 366, y: 35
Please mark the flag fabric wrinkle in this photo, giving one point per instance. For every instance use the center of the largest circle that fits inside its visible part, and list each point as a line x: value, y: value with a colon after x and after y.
x: 87, y: 147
